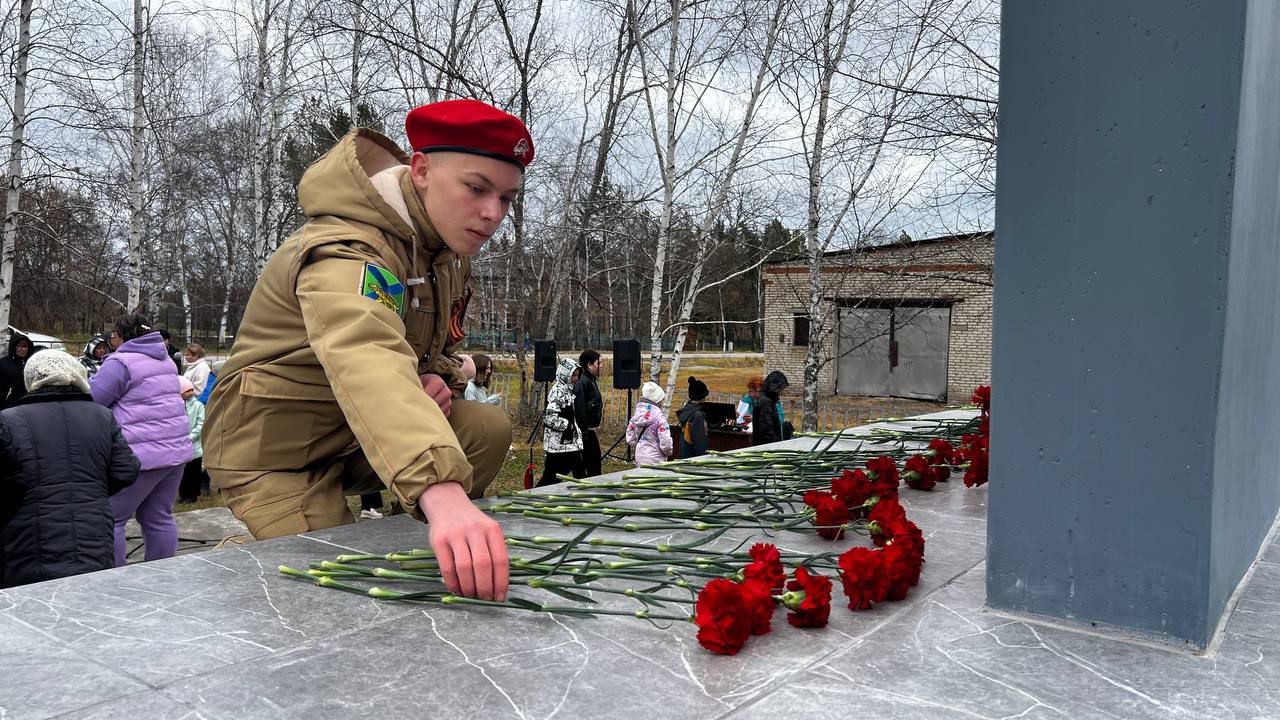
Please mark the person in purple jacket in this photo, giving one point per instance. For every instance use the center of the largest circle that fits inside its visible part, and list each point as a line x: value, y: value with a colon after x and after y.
x: 138, y: 384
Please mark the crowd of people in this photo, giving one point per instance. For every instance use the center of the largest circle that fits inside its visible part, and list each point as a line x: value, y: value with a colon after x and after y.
x: 88, y: 443
x: 575, y: 409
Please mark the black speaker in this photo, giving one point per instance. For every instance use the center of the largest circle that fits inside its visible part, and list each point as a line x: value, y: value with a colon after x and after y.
x: 544, y: 360
x: 626, y: 364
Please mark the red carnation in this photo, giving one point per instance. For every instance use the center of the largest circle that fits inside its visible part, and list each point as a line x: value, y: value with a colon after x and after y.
x: 808, y: 599
x: 758, y: 598
x: 899, y: 567
x: 940, y: 450
x: 887, y: 509
x: 853, y: 488
x: 907, y: 535
x: 723, y: 617
x: 863, y: 577
x: 982, y: 398
x: 919, y: 474
x: 976, y: 473
x: 767, y: 566
x: 884, y: 470
x: 942, y: 453
x: 831, y: 513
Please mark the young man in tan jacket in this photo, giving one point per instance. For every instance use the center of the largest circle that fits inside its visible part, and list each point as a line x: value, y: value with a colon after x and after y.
x: 342, y: 378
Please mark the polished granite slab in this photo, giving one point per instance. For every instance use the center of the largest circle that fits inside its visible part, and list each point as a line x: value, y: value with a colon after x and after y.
x: 221, y: 634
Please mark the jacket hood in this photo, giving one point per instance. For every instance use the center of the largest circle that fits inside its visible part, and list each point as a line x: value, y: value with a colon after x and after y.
x: 647, y: 412
x: 686, y: 412
x: 92, y: 345
x: 151, y: 345
x: 14, y: 337
x: 774, y: 383
x: 564, y: 370
x: 359, y: 179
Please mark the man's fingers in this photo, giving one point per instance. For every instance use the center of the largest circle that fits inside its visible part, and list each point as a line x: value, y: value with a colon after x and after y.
x: 462, y: 565
x: 481, y: 567
x: 444, y: 556
x: 501, y: 563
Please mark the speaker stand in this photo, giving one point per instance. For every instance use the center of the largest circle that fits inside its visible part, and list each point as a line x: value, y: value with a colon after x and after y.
x: 546, y: 388
x: 623, y: 437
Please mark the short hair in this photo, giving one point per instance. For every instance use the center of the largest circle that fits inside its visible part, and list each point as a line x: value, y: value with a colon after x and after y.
x: 165, y: 334
x: 196, y: 349
x: 132, y: 325
x: 755, y: 383
x: 587, y: 357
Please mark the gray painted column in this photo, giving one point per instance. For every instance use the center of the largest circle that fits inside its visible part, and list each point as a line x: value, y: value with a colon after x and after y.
x: 1136, y: 354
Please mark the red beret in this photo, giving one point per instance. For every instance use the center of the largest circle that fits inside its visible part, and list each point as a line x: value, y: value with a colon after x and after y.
x: 469, y: 126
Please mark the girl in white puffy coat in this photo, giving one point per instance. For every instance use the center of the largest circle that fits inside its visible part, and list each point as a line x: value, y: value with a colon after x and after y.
x: 648, y: 431
x: 561, y: 440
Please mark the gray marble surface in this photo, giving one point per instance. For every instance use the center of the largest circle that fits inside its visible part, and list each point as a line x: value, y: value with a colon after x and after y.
x: 221, y: 634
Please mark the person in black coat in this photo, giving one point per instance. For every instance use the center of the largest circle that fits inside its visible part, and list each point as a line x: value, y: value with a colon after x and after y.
x: 693, y: 421
x: 588, y: 413
x: 766, y: 426
x: 11, y: 386
x: 61, y: 456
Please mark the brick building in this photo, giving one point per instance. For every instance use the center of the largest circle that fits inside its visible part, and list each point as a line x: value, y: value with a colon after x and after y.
x: 907, y: 319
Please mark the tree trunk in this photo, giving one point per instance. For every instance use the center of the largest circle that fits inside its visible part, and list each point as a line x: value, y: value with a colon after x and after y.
x: 136, y: 169
x: 722, y: 194
x: 223, y: 317
x: 13, y: 195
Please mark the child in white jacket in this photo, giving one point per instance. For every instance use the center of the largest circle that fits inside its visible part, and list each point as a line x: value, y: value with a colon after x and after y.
x: 648, y: 431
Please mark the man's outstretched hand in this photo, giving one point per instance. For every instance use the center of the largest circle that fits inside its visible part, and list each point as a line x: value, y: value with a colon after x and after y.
x: 438, y: 390
x: 468, y: 544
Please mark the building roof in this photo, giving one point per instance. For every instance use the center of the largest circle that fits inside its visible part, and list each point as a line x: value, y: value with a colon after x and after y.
x: 896, y: 245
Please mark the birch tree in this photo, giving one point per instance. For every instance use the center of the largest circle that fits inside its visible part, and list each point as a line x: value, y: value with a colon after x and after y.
x: 137, y: 167
x: 680, y: 64
x: 13, y: 194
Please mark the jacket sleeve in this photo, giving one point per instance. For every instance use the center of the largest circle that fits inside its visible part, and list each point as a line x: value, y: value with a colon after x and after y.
x: 580, y: 401
x: 196, y: 425
x: 110, y: 383
x: 123, y: 467
x: 373, y: 374
x: 664, y: 437
x: 553, y: 417
x: 8, y: 457
x: 449, y: 368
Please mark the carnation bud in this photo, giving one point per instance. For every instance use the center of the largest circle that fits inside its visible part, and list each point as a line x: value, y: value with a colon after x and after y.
x: 792, y: 599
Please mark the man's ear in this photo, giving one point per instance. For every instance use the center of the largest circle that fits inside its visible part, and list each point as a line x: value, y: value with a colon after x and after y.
x: 419, y: 164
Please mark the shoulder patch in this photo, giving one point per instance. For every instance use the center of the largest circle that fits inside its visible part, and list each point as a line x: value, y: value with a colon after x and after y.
x: 378, y: 284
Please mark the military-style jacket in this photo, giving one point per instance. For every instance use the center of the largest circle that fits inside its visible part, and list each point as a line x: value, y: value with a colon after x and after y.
x: 346, y: 314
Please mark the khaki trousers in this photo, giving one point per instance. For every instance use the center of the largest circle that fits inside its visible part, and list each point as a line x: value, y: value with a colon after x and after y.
x: 275, y: 503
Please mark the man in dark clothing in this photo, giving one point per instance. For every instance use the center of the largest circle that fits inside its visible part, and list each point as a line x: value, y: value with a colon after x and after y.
x: 174, y: 353
x: 11, y: 365
x: 693, y: 421
x: 61, y: 456
x: 766, y: 425
x: 588, y: 411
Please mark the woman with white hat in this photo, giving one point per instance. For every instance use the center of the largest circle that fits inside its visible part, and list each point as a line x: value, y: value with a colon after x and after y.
x: 648, y: 431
